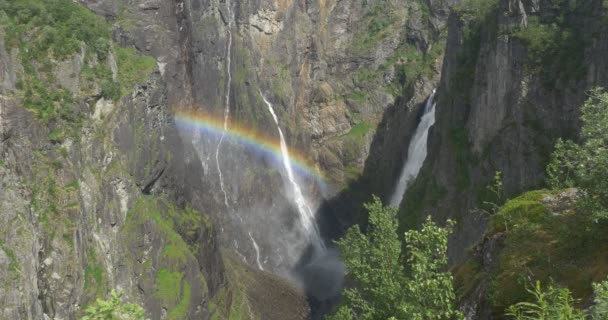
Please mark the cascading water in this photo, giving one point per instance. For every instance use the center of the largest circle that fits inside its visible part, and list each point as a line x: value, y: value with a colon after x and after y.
x: 225, y: 130
x: 307, y: 217
x: 416, y: 152
x: 257, y: 252
x: 227, y: 102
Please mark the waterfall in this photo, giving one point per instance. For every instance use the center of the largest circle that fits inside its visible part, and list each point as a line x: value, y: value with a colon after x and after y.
x: 416, y: 152
x: 307, y: 217
x: 227, y: 101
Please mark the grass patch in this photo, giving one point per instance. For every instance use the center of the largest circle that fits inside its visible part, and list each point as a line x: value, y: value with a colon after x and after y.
x: 173, y: 295
x: 13, y: 265
x: 132, y: 68
x: 93, y: 276
x: 359, y: 131
x: 57, y: 136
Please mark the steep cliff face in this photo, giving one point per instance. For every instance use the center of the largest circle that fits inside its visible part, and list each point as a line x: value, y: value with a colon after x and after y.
x: 90, y: 208
x: 98, y: 190
x: 101, y: 190
x: 513, y: 80
x: 331, y: 69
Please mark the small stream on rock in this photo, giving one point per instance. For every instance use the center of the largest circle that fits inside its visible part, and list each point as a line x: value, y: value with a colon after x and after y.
x: 226, y: 103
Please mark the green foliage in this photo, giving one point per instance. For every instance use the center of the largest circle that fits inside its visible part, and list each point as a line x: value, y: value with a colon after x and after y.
x: 54, y: 27
x: 475, y: 11
x: 383, y: 289
x: 583, y: 165
x: 13, y: 265
x: 491, y: 196
x: 553, y: 304
x: 132, y: 68
x: 556, y: 303
x: 171, y: 288
x: 56, y: 136
x: 555, y: 43
x: 378, y: 18
x: 113, y: 309
x: 168, y: 286
x: 477, y: 17
x: 599, y: 311
x: 542, y: 244
x: 359, y: 131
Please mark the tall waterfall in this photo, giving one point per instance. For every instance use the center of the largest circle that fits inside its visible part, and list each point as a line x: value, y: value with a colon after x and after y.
x: 227, y: 101
x: 416, y: 152
x: 307, y: 217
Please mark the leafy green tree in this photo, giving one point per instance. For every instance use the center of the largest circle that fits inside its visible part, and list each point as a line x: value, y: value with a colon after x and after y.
x: 585, y: 165
x: 383, y: 289
x: 114, y: 309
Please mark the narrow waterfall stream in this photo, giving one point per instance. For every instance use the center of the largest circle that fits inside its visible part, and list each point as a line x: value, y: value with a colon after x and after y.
x: 227, y: 101
x: 307, y: 217
x: 416, y: 152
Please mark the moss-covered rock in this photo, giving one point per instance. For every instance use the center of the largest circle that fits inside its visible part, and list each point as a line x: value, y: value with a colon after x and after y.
x: 536, y: 236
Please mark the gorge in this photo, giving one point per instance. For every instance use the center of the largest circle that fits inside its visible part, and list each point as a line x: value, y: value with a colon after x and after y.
x: 203, y: 156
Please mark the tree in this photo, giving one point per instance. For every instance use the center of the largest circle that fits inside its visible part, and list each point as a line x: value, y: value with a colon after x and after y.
x: 382, y: 288
x: 585, y: 165
x: 114, y: 309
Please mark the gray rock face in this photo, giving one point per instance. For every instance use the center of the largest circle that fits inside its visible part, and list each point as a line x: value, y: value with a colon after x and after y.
x: 326, y: 68
x: 71, y: 229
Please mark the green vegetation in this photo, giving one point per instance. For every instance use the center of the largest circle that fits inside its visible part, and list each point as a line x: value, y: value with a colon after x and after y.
x: 132, y: 68
x: 554, y: 45
x: 94, y: 285
x: 383, y: 288
x: 13, y: 265
x: 556, y: 303
x: 56, y: 136
x: 55, y: 27
x: 232, y: 302
x: 583, y: 165
x: 168, y: 286
x: 47, y: 32
x: 558, y: 237
x: 114, y: 309
x: 378, y: 19
x: 171, y: 287
x: 478, y: 18
x: 359, y: 131
x: 425, y: 192
x: 543, y: 245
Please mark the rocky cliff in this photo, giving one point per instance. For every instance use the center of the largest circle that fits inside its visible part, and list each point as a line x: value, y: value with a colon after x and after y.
x: 103, y: 189
x: 514, y: 78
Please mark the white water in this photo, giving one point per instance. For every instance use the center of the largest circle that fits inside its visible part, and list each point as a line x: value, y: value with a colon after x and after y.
x: 227, y: 101
x: 416, y: 152
x: 307, y: 217
x: 257, y: 252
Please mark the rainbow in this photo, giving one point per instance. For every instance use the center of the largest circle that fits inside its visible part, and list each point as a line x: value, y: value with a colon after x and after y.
x: 252, y: 138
